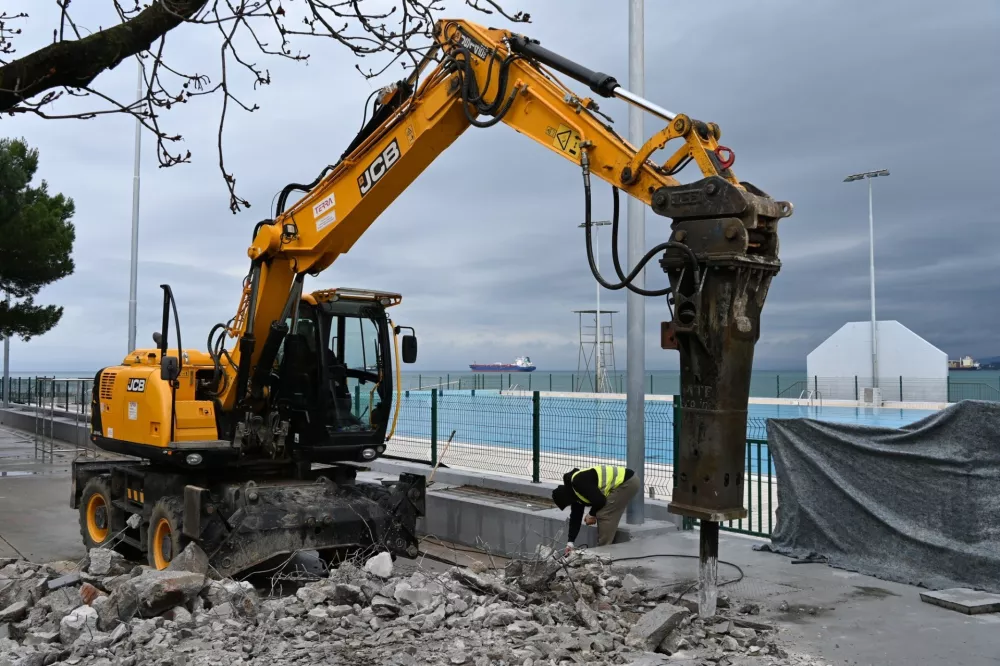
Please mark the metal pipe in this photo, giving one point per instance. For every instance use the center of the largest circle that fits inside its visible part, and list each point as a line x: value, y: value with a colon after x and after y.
x: 6, y: 364
x: 635, y: 100
x: 134, y: 269
x: 635, y: 307
x: 871, y: 268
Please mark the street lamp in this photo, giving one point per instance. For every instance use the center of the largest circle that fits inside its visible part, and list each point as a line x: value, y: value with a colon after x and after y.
x: 868, y: 175
x: 597, y: 264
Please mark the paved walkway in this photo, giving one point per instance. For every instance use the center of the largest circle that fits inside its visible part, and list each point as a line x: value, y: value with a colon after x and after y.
x: 36, y: 520
x: 839, y: 616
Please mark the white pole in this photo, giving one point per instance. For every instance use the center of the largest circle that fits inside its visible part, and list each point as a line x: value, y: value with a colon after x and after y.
x: 635, y: 314
x: 6, y: 364
x: 597, y: 262
x: 871, y: 261
x: 134, y: 270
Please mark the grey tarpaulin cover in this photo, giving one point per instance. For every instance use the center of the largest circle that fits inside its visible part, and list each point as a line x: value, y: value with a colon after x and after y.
x: 918, y: 504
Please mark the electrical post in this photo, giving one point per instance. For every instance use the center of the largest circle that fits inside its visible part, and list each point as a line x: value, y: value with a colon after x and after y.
x: 635, y: 310
x: 134, y: 264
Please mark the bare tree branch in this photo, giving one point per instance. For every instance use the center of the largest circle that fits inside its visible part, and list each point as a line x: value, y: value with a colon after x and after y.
x: 67, y: 68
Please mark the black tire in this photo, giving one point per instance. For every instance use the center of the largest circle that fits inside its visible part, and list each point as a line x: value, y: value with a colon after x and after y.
x: 95, y: 513
x: 164, y: 540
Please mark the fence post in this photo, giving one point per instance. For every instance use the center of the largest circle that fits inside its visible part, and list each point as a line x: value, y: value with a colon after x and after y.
x: 901, y: 388
x: 420, y: 382
x: 536, y: 438
x: 550, y: 382
x: 949, y: 389
x: 434, y: 426
x: 777, y: 386
x: 67, y: 396
x: 686, y: 523
x: 857, y: 396
x: 357, y: 400
x: 815, y: 384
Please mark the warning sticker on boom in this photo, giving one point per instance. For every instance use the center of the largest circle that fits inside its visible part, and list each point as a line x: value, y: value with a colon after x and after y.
x: 564, y: 138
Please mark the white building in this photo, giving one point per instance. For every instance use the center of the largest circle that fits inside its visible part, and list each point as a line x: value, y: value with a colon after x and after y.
x: 841, y: 367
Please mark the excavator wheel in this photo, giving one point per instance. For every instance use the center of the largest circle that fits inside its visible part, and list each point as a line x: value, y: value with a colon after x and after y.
x: 95, y: 513
x: 164, y: 538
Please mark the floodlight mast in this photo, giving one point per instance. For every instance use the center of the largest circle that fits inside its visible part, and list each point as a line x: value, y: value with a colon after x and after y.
x: 868, y: 175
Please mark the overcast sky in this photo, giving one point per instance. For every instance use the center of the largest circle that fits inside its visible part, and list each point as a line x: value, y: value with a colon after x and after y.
x: 485, y: 245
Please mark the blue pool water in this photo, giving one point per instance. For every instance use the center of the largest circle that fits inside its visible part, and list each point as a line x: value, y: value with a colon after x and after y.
x: 588, y: 428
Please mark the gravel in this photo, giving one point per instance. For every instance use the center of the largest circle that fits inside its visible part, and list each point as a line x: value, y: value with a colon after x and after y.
x: 547, y: 611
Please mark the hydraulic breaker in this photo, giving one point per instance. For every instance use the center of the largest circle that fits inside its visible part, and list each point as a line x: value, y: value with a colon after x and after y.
x: 718, y: 288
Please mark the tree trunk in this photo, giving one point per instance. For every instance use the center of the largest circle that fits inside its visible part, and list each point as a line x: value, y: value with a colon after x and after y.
x: 77, y: 63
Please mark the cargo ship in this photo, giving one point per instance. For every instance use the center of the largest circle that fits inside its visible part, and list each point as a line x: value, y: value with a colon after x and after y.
x: 966, y: 363
x: 520, y: 364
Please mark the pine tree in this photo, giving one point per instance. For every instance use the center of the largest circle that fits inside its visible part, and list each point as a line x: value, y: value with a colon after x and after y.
x: 36, y: 241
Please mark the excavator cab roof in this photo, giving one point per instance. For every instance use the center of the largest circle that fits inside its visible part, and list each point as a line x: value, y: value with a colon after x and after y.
x: 385, y: 298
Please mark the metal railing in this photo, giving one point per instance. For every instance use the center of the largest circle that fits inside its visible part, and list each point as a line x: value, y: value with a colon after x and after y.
x: 56, y: 403
x: 982, y: 385
x: 532, y: 436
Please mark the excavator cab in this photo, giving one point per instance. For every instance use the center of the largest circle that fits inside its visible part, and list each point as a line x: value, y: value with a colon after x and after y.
x: 332, y: 379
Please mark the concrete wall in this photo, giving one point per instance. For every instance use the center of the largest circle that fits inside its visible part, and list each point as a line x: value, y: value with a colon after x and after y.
x: 63, y: 428
x: 847, y: 354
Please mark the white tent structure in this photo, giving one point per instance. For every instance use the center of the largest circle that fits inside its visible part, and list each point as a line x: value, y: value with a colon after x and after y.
x: 909, y: 367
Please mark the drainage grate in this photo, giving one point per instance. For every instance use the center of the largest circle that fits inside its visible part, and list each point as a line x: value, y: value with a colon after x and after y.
x: 519, y: 500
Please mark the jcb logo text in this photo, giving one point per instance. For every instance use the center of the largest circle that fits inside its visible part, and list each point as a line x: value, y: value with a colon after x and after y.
x: 136, y: 385
x: 378, y: 167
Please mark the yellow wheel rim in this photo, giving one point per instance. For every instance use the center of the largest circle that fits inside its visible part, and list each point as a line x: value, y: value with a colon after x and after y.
x: 97, y: 518
x: 161, y: 543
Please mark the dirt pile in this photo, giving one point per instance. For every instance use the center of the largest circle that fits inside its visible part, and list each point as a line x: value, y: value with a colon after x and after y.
x: 547, y: 610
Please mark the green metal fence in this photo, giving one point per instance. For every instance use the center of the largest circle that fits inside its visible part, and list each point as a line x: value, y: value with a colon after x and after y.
x: 953, y: 388
x: 533, y: 436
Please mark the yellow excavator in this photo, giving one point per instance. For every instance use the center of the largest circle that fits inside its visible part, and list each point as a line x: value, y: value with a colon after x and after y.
x: 253, y: 452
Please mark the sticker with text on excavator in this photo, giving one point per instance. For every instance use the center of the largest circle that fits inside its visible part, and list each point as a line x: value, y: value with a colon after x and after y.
x: 136, y: 385
x: 323, y: 206
x: 324, y: 214
x: 133, y: 411
x: 564, y: 138
x: 477, y: 49
x: 374, y: 172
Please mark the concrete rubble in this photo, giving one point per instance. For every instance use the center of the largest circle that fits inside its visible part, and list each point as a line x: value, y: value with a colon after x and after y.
x: 544, y: 611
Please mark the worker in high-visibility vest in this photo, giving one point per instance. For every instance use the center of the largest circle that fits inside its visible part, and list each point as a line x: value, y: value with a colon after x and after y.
x: 606, y: 489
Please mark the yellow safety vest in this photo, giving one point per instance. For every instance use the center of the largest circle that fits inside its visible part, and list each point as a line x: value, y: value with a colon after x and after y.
x: 608, y: 478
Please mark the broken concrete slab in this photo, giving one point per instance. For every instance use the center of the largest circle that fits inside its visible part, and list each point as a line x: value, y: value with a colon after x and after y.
x: 106, y: 562
x: 64, y: 581
x: 963, y: 600
x: 380, y: 565
x: 192, y: 559
x: 654, y: 626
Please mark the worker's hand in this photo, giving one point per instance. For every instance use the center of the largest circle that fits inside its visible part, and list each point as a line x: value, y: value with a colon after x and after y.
x: 569, y: 548
x: 590, y: 520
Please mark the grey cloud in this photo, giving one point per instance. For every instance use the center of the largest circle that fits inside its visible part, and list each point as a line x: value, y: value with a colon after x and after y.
x: 485, y: 245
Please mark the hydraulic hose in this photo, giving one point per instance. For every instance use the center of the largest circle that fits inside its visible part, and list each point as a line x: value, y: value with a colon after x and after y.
x: 626, y: 280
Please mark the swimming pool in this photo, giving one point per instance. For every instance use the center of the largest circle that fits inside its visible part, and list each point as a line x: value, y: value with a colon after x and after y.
x: 583, y: 428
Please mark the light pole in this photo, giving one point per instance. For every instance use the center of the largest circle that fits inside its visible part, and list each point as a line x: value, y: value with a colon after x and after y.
x: 134, y: 263
x: 598, y: 358
x: 868, y: 175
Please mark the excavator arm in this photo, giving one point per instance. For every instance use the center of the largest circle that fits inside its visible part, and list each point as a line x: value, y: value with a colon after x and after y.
x: 720, y: 255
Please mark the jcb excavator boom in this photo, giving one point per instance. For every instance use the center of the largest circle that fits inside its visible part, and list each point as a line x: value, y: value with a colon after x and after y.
x: 281, y: 397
